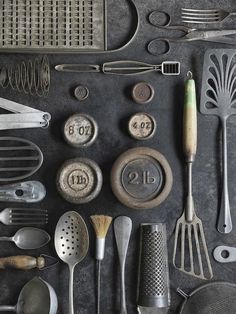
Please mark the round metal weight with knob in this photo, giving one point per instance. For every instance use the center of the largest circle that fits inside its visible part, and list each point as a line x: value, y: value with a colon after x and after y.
x: 141, y: 178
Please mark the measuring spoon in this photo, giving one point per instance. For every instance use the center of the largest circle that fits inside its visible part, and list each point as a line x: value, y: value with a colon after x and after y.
x: 29, y: 238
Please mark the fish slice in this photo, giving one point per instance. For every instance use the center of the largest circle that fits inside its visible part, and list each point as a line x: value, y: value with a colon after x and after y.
x: 71, y: 243
x: 218, y: 97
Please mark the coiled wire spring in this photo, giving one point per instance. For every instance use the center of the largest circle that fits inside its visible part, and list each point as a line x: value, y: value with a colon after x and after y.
x: 31, y: 77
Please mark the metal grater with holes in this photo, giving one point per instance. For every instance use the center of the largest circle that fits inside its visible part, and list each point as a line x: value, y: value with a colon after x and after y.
x: 153, y: 287
x: 53, y: 25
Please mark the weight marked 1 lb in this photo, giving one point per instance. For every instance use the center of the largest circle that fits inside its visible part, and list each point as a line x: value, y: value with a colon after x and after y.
x: 79, y: 180
x: 141, y: 178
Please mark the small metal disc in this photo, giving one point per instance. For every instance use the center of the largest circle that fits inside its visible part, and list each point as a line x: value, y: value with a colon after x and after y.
x: 143, y: 93
x: 142, y: 126
x: 79, y: 180
x: 81, y: 92
x: 141, y: 178
x: 80, y: 130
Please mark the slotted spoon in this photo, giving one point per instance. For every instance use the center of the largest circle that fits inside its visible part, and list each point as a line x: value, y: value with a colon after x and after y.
x: 71, y: 243
x: 194, y: 16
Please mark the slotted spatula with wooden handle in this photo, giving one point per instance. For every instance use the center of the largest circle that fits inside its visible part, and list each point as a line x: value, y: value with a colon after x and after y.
x: 190, y: 244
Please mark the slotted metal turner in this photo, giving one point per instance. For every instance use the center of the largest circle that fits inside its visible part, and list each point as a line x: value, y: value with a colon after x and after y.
x: 218, y: 98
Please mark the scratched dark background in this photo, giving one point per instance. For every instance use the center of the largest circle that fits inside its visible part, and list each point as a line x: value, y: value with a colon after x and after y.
x: 110, y: 104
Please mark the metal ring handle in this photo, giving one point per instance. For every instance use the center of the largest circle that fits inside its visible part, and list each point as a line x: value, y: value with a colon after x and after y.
x: 153, y: 43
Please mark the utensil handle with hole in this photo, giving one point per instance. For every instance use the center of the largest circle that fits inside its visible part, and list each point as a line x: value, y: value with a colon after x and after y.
x: 224, y: 220
x: 190, y: 120
x: 22, y: 262
x: 71, y: 290
x: 7, y: 308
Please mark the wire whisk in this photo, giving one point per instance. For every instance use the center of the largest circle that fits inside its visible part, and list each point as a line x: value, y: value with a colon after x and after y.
x: 31, y: 77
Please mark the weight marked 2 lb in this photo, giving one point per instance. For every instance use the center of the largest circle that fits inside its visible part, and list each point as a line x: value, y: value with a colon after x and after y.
x: 79, y: 180
x: 141, y: 178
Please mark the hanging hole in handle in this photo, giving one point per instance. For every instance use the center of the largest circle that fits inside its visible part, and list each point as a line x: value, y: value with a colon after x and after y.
x: 158, y: 47
x: 225, y: 254
x: 159, y: 18
x: 19, y: 192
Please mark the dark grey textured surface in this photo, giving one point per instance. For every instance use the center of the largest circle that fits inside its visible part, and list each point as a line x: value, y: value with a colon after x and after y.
x: 110, y: 104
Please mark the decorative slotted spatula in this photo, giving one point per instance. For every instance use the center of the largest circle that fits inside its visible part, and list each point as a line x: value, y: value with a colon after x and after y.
x: 218, y: 97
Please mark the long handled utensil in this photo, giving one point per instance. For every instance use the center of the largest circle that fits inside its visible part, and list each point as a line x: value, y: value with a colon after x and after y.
x: 122, y: 229
x: 194, y: 16
x: 218, y: 98
x: 189, y: 231
x: 29, y: 238
x: 71, y: 243
x: 36, y: 297
x: 123, y: 67
x: 101, y: 225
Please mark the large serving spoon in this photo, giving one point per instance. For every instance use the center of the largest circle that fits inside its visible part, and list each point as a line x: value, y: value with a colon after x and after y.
x: 71, y: 243
x: 29, y: 238
x: 36, y: 297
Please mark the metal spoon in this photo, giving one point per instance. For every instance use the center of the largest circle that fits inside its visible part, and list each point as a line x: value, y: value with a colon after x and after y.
x: 122, y: 229
x: 71, y: 243
x: 36, y: 297
x: 29, y: 238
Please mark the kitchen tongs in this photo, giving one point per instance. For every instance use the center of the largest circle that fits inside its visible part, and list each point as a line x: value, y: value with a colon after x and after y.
x: 23, y: 117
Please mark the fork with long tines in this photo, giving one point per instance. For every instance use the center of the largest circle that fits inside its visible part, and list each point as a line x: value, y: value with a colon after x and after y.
x: 24, y: 216
x: 194, y: 16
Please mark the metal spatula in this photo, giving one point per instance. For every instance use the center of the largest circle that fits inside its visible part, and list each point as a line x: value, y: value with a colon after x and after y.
x: 71, y: 243
x: 218, y: 98
x: 189, y: 234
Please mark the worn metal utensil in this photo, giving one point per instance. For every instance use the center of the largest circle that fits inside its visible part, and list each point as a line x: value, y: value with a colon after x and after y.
x: 24, y: 216
x: 189, y: 234
x: 218, y: 98
x: 29, y: 238
x: 122, y: 229
x: 208, y: 16
x: 36, y: 297
x: 153, y: 278
x: 225, y: 254
x: 71, y: 243
x: 23, y: 192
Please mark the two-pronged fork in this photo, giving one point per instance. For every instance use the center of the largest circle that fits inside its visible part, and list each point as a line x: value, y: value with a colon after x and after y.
x: 23, y: 216
x: 194, y: 16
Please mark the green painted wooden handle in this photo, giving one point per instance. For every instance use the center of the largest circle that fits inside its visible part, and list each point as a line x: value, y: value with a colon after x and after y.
x: 190, y: 121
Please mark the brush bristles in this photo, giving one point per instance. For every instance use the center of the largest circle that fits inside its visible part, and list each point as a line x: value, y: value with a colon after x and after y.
x: 101, y: 224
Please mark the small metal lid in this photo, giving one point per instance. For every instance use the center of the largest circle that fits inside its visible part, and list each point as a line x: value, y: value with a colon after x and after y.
x: 142, y: 93
x: 79, y: 180
x: 81, y: 92
x: 141, y: 178
x: 80, y: 130
x: 142, y: 126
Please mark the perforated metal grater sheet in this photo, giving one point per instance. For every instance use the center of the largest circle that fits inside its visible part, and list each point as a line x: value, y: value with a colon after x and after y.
x: 52, y: 25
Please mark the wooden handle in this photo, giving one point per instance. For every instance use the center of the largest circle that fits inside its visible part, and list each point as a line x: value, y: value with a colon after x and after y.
x: 22, y: 262
x: 190, y: 120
